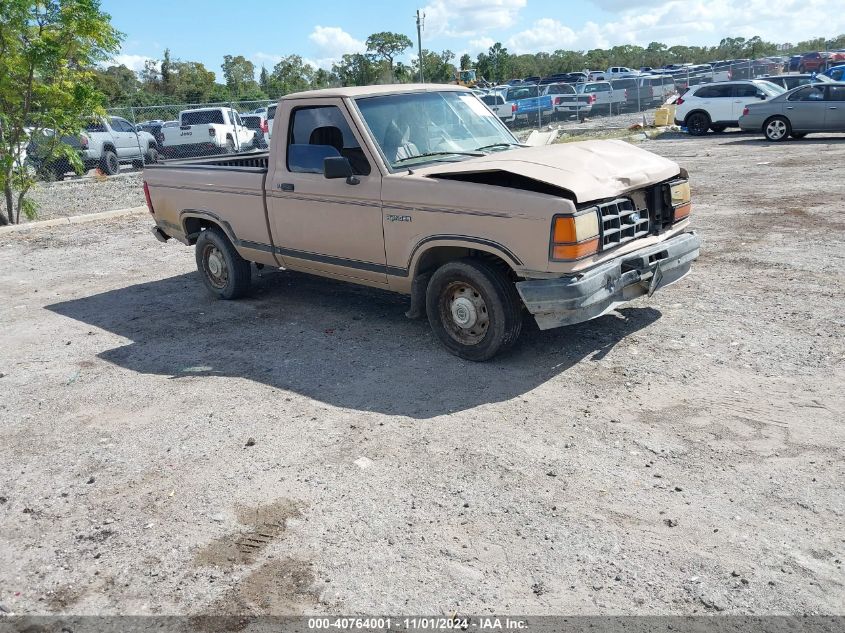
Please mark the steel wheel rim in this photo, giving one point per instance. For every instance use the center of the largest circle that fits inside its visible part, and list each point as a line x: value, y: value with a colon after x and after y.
x: 464, y: 313
x: 776, y: 129
x: 215, y: 266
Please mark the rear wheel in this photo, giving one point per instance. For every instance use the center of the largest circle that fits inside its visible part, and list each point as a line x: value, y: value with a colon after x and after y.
x: 224, y: 272
x: 151, y: 157
x: 777, y: 129
x: 109, y: 163
x: 698, y: 123
x: 230, y: 145
x: 473, y: 308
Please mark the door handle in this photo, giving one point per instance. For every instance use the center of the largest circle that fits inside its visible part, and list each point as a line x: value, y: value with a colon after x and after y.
x: 285, y: 186
x: 789, y: 107
x: 832, y: 108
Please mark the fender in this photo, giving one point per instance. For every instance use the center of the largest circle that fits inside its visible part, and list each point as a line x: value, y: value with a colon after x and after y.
x: 461, y: 241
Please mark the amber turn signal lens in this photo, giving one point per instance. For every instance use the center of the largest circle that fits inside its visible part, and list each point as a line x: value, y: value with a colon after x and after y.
x: 564, y: 230
x: 575, y: 251
x: 682, y: 212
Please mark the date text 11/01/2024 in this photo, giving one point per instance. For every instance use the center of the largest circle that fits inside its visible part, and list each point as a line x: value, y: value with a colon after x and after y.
x: 417, y: 624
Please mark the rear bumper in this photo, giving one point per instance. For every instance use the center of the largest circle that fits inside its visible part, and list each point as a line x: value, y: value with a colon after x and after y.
x: 569, y: 300
x: 574, y: 109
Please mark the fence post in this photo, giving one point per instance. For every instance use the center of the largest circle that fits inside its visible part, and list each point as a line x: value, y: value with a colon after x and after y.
x: 137, y: 136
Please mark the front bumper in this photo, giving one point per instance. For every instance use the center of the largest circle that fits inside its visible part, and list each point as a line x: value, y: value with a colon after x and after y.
x: 587, y: 295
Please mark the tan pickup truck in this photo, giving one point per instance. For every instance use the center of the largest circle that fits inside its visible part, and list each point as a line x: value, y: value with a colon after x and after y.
x: 420, y: 189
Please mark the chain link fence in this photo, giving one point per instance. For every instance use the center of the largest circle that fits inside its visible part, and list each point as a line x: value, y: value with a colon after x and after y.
x: 600, y: 101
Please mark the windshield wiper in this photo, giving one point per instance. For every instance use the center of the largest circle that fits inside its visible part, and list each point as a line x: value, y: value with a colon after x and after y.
x: 495, y: 145
x: 402, y: 160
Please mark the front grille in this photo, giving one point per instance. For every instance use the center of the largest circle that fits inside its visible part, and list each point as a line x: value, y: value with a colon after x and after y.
x: 621, y: 222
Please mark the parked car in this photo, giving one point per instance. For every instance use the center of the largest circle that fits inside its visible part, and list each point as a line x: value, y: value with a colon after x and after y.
x: 616, y: 72
x: 567, y: 102
x: 596, y: 75
x: 258, y: 124
x: 605, y: 98
x: 718, y: 106
x: 661, y: 86
x: 636, y: 95
x: 526, y: 102
x: 496, y: 102
x: 817, y: 107
x: 836, y: 73
x: 105, y: 142
x: 473, y: 227
x: 154, y: 128
x: 820, y: 61
x: 788, y: 82
x: 204, y: 131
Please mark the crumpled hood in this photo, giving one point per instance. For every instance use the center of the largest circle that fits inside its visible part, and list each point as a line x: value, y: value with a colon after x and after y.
x: 591, y: 170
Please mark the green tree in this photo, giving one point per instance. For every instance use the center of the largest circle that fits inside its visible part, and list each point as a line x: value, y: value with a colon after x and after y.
x: 46, y: 49
x: 117, y: 83
x: 264, y: 80
x: 357, y: 69
x: 466, y: 62
x: 239, y: 74
x: 166, y: 74
x: 499, y: 62
x: 192, y: 81
x: 387, y: 46
x: 291, y: 74
x: 438, y: 66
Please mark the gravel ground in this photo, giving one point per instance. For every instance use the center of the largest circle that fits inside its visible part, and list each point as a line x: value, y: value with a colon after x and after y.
x: 309, y: 449
x: 91, y: 194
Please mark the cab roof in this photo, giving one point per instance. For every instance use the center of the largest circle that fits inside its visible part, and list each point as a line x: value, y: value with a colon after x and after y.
x: 372, y: 91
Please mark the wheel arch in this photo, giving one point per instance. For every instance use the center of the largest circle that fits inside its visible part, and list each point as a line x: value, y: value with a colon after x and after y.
x: 194, y: 221
x: 697, y: 111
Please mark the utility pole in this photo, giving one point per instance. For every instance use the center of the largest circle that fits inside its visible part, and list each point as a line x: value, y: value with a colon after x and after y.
x: 420, y: 25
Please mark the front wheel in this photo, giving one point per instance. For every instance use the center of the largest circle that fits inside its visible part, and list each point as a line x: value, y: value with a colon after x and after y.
x: 109, y: 163
x: 777, y: 129
x: 474, y: 309
x: 698, y: 123
x: 224, y: 272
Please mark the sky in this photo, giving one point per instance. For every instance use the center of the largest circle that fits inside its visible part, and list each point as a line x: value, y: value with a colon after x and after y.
x: 322, y: 31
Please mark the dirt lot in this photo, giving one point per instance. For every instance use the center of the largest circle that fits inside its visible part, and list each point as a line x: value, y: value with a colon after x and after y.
x: 311, y: 450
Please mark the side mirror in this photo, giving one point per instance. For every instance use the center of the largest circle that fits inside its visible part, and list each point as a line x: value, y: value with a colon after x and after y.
x: 339, y: 167
x: 761, y: 96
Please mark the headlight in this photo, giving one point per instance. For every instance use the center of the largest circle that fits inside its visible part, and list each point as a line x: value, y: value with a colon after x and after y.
x: 575, y: 237
x: 681, y: 200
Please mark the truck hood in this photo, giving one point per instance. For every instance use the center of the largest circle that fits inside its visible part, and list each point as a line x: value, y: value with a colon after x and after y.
x: 591, y: 170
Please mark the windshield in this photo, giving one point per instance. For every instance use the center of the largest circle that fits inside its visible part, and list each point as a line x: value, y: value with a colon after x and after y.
x: 770, y: 89
x: 412, y: 129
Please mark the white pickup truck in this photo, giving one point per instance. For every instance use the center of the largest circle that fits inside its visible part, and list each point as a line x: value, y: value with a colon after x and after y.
x: 207, y: 131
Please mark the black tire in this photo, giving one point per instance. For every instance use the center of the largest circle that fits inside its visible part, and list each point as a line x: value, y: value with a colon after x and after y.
x: 485, y: 297
x: 801, y: 69
x: 224, y: 272
x: 798, y: 134
x: 698, y: 123
x: 777, y: 129
x: 151, y: 157
x: 718, y: 129
x: 230, y: 145
x: 109, y: 163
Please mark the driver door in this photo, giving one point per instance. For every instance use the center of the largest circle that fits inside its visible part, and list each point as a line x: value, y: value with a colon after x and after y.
x: 320, y: 225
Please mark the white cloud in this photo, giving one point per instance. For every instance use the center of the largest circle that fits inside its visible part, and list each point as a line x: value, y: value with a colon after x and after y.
x: 266, y: 59
x: 133, y: 62
x: 481, y: 43
x: 332, y: 43
x: 469, y: 18
x: 684, y: 22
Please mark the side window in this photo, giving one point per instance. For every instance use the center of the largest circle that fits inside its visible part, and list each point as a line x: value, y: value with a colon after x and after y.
x: 317, y: 133
x: 808, y: 93
x: 836, y: 93
x: 746, y: 90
